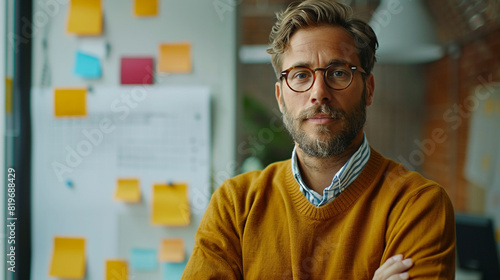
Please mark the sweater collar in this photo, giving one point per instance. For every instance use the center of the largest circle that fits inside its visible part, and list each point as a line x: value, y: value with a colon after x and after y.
x: 373, y: 169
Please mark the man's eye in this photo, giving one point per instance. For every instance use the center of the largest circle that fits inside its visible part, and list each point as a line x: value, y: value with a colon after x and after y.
x: 301, y: 75
x: 338, y: 74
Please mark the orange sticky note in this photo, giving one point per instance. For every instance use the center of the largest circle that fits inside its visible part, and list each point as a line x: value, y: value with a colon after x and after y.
x: 85, y: 17
x: 116, y: 270
x: 145, y: 7
x: 8, y: 96
x: 172, y: 250
x: 70, y: 102
x: 174, y: 58
x: 128, y: 190
x: 68, y: 258
x: 170, y: 205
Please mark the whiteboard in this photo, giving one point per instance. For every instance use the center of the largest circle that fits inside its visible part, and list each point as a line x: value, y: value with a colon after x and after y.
x: 155, y: 133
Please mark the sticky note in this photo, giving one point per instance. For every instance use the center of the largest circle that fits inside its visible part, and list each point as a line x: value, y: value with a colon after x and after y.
x: 173, y: 271
x: 174, y: 58
x: 145, y: 7
x: 70, y: 102
x: 8, y: 96
x: 87, y: 66
x: 68, y: 258
x: 172, y: 250
x: 127, y: 190
x: 170, y: 205
x: 84, y: 17
x: 93, y: 46
x: 143, y: 259
x: 116, y: 270
x: 136, y: 70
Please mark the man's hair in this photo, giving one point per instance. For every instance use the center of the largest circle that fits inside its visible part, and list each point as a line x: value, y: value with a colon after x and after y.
x: 311, y: 13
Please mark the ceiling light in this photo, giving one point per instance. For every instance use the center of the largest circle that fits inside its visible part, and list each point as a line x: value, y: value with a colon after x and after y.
x: 405, y: 33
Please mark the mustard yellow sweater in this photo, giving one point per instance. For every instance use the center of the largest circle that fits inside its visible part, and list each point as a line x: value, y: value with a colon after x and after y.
x: 259, y: 225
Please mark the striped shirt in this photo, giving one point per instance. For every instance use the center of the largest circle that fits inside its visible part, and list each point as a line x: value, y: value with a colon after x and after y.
x: 344, y: 177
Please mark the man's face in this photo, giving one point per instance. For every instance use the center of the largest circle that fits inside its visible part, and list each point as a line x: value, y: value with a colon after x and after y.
x: 329, y: 143
x: 322, y: 121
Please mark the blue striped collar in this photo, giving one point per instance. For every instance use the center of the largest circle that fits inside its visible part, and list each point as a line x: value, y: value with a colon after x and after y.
x: 342, y: 179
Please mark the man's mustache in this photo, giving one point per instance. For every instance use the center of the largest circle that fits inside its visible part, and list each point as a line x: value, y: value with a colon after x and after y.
x: 321, y: 109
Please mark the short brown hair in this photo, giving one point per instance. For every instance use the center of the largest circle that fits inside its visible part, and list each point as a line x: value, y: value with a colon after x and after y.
x: 312, y: 13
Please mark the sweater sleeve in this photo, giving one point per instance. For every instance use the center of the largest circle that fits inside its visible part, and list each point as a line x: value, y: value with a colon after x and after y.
x: 423, y: 228
x: 217, y: 249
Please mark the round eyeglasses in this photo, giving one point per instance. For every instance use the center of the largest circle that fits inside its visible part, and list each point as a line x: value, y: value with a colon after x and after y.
x: 337, y: 76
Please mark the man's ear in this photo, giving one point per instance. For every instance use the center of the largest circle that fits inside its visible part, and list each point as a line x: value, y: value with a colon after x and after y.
x: 277, y: 92
x: 370, y: 89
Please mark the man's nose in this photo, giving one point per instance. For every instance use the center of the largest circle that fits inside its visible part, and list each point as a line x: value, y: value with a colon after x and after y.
x: 320, y: 93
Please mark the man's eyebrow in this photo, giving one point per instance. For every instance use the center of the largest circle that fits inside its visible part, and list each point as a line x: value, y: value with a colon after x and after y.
x: 338, y: 61
x: 301, y: 64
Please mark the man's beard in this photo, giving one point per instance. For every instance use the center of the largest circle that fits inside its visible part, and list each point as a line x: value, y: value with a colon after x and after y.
x: 327, y: 144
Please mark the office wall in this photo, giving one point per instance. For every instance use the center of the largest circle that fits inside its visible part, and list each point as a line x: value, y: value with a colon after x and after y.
x: 393, y: 120
x: 210, y: 30
x: 452, y: 83
x: 212, y: 35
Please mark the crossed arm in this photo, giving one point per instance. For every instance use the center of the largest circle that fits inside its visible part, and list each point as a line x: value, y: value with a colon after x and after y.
x: 394, y: 268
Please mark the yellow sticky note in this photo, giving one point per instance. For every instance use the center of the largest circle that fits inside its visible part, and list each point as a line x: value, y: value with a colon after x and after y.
x: 116, y: 270
x: 70, y: 102
x: 8, y: 96
x: 174, y: 58
x: 489, y: 106
x: 145, y: 7
x: 128, y: 190
x: 170, y: 205
x: 85, y: 17
x: 485, y: 162
x: 68, y: 258
x: 172, y: 250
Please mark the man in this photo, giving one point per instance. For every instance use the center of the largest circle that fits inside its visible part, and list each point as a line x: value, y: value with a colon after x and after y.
x: 337, y: 209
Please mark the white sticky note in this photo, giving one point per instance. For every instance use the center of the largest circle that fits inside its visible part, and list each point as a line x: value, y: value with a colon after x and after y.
x: 97, y: 47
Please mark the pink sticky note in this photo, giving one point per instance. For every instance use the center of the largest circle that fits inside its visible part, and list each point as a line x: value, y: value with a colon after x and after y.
x: 136, y: 70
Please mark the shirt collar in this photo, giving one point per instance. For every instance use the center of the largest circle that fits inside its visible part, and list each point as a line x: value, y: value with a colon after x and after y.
x: 341, y: 180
